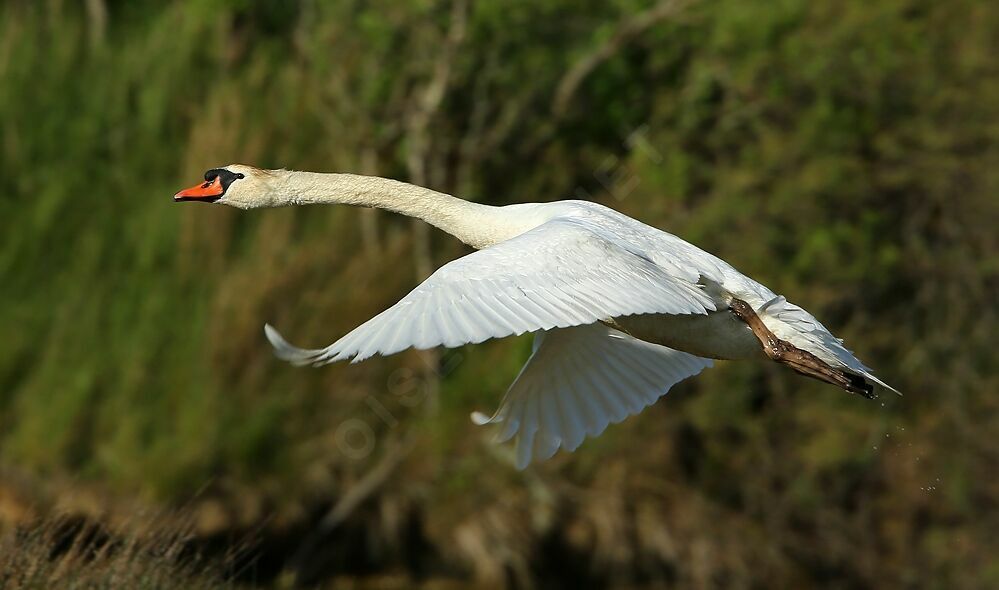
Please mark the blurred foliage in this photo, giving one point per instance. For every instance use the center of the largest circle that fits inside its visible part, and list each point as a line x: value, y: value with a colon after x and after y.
x: 845, y: 154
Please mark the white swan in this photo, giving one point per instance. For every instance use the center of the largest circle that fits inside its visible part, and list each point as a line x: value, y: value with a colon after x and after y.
x: 620, y: 310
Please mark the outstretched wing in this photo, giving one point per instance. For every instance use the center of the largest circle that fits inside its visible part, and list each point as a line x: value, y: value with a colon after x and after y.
x: 562, y: 273
x: 578, y: 381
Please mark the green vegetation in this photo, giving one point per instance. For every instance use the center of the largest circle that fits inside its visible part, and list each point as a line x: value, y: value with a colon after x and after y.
x: 70, y: 553
x: 845, y: 154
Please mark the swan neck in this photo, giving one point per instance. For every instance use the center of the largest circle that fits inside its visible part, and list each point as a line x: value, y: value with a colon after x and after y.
x: 475, y: 224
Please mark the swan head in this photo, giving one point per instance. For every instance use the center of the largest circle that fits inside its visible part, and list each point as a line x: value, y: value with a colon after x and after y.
x: 235, y: 185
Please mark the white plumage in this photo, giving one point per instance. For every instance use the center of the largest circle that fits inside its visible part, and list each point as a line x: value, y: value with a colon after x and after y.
x: 621, y: 311
x: 578, y: 381
x: 557, y: 275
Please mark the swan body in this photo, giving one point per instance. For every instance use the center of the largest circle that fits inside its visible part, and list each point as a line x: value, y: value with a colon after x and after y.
x: 620, y: 310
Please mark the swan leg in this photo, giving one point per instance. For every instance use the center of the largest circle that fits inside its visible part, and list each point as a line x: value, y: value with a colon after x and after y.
x: 799, y: 360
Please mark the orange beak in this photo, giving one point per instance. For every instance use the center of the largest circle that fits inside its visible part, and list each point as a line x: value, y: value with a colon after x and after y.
x: 206, y: 191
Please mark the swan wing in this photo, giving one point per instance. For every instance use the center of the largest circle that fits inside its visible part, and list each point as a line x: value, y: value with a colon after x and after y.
x: 562, y: 273
x: 578, y: 381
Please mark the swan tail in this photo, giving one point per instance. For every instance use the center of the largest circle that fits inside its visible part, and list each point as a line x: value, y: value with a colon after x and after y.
x: 287, y: 352
x: 792, y: 323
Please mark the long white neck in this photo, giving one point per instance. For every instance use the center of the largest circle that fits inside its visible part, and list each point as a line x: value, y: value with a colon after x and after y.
x: 475, y: 224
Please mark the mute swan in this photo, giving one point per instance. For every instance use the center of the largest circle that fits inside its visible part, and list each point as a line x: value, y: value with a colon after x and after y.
x: 620, y: 310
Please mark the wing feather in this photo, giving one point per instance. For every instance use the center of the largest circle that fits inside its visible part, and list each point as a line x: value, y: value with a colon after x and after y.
x: 578, y: 381
x: 562, y: 273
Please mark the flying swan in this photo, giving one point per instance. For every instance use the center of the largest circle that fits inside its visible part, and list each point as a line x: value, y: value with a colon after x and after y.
x: 620, y: 311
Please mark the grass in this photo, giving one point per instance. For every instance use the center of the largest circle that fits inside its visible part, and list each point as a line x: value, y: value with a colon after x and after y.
x: 73, y: 552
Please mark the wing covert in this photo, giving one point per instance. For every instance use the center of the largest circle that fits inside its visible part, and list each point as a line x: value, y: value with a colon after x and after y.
x: 559, y: 274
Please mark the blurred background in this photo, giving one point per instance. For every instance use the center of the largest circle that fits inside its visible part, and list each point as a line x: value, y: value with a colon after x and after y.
x: 845, y: 154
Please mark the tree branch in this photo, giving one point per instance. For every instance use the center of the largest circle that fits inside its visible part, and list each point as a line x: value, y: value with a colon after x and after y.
x: 626, y: 31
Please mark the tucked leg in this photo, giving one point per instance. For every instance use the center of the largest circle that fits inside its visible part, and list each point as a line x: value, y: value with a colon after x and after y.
x: 799, y: 360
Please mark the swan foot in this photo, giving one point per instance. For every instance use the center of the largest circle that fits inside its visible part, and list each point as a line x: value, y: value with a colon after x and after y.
x: 801, y: 361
